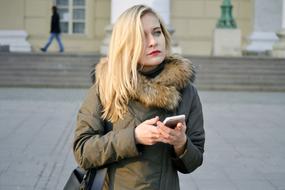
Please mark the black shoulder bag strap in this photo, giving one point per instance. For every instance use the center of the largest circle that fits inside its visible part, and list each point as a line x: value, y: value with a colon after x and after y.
x: 99, y: 179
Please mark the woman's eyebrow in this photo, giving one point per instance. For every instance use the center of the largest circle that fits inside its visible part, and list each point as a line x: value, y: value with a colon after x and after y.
x: 157, y: 28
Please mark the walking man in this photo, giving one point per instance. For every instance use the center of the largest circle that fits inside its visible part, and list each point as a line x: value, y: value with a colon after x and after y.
x: 54, y: 31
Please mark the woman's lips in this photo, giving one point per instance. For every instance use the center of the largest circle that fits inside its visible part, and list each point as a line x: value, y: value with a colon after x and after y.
x: 154, y: 53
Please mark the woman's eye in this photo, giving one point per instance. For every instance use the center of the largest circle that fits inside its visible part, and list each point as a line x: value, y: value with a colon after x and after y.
x: 157, y: 33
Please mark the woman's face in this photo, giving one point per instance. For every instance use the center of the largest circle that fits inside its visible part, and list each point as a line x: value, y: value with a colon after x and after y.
x: 154, y: 50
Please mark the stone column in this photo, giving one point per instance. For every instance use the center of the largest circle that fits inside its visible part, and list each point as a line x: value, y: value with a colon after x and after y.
x: 266, y: 22
x: 162, y: 7
x: 279, y: 46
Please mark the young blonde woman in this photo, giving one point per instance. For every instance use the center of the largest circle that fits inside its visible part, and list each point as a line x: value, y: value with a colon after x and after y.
x: 136, y: 88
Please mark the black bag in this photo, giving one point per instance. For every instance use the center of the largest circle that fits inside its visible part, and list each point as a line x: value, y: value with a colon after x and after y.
x: 92, y: 179
x: 75, y: 179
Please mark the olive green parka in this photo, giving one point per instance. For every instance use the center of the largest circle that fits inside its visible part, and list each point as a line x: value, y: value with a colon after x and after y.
x: 133, y: 166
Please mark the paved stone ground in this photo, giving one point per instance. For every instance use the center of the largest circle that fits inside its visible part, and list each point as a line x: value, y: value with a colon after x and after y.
x: 244, y: 147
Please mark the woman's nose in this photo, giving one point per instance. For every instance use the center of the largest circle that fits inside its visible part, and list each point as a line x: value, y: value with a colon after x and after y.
x: 152, y: 41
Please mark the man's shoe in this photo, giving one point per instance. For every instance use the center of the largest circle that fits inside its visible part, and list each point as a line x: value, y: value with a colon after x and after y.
x: 43, y: 50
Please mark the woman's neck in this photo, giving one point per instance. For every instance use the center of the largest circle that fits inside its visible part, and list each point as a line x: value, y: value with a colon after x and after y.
x: 148, y: 68
x: 152, y: 71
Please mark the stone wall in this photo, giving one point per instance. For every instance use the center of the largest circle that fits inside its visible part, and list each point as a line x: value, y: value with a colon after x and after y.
x: 195, y: 20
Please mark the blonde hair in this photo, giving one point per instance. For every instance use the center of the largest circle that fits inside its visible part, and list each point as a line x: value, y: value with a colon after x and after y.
x: 119, y: 83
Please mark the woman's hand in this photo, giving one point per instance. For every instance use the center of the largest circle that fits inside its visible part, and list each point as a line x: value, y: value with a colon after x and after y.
x: 147, y: 133
x: 176, y: 137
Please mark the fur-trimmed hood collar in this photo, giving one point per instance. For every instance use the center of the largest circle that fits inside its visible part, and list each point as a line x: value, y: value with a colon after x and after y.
x: 164, y: 89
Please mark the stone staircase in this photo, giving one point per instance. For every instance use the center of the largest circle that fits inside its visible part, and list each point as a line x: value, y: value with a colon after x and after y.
x: 73, y: 70
x: 46, y: 70
x: 244, y: 73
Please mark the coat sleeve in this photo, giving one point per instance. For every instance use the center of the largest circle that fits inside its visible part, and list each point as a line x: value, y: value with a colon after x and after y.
x: 192, y: 157
x: 93, y: 148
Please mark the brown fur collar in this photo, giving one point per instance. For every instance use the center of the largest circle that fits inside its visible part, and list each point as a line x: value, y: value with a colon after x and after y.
x: 164, y: 90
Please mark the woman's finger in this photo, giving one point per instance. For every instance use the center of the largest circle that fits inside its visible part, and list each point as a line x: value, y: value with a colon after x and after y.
x: 151, y: 121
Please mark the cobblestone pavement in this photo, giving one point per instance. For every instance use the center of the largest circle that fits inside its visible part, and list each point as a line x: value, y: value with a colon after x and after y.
x: 244, y: 140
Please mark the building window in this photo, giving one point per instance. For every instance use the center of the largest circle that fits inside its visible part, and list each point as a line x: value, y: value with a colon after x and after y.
x: 72, y: 16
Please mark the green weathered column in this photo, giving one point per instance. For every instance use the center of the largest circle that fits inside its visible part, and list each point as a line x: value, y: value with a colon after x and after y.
x: 226, y: 20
